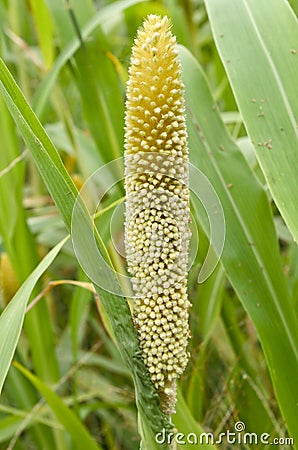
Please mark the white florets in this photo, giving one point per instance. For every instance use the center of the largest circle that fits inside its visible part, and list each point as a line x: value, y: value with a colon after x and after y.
x: 157, y: 205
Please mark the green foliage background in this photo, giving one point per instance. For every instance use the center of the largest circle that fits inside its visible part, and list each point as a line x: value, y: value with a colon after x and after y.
x: 70, y: 371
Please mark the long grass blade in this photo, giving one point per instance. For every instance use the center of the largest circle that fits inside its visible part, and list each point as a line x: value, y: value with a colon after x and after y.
x: 257, y: 42
x: 64, y: 194
x: 251, y: 255
x: 12, y: 318
x: 100, y: 18
x: 78, y: 432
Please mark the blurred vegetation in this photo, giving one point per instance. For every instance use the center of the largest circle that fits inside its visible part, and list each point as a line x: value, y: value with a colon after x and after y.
x: 70, y: 59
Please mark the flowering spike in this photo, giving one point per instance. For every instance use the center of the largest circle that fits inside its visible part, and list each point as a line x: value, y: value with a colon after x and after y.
x: 157, y: 205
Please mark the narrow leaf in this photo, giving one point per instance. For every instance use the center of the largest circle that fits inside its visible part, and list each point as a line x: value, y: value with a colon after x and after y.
x: 251, y: 254
x: 100, y: 18
x: 65, y: 416
x: 64, y: 194
x: 12, y: 318
x: 192, y: 432
x: 257, y: 42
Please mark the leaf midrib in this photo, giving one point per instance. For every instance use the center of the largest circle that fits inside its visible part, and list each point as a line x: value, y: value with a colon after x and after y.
x: 271, y: 63
x: 248, y: 235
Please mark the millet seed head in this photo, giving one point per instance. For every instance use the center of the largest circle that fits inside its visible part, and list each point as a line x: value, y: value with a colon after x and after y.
x: 157, y: 205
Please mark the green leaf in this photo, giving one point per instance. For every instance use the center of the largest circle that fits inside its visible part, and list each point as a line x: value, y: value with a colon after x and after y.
x: 12, y: 318
x: 46, y: 157
x: 11, y: 424
x: 64, y: 194
x: 101, y: 96
x: 192, y: 431
x: 44, y: 30
x: 257, y: 415
x: 257, y: 42
x: 100, y: 18
x: 10, y: 180
x: 66, y: 417
x: 251, y: 254
x: 20, y: 245
x: 209, y: 304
